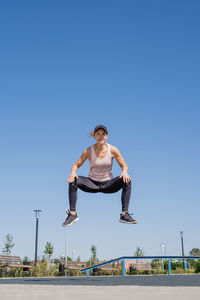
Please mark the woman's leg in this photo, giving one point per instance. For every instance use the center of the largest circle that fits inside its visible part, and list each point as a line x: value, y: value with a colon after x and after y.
x: 114, y: 185
x: 83, y: 183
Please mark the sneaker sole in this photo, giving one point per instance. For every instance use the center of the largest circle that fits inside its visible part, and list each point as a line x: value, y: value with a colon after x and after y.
x: 76, y: 220
x: 122, y: 221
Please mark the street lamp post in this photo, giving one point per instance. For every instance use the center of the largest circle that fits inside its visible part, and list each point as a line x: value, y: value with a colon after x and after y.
x: 73, y: 251
x: 163, y: 253
x: 37, y: 215
x: 65, y: 251
x: 182, y: 246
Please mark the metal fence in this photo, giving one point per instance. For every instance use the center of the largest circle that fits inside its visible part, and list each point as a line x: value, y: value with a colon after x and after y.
x: 124, y: 258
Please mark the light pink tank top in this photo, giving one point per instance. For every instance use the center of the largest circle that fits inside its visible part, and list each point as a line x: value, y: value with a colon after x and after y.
x: 101, y: 168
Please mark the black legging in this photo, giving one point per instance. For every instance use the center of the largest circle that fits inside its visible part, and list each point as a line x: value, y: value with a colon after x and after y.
x: 113, y: 185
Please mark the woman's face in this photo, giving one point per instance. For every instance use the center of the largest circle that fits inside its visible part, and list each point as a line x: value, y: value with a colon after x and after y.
x: 100, y: 136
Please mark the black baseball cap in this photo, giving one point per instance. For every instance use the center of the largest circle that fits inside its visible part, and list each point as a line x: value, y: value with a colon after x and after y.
x: 101, y: 127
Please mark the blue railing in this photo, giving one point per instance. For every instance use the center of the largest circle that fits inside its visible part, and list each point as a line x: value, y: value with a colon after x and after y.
x: 123, y: 259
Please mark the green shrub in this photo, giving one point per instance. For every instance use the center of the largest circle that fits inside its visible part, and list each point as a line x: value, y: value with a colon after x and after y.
x: 197, y: 268
x: 178, y: 271
x: 3, y: 272
x: 13, y: 272
x: 43, y: 270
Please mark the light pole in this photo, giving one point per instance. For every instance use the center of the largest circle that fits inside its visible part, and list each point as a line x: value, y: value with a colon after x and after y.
x: 65, y: 251
x: 73, y: 251
x: 182, y: 246
x: 65, y: 243
x: 163, y: 253
x: 37, y: 215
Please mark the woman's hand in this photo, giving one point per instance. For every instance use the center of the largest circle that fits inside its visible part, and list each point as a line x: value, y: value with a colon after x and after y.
x: 71, y: 177
x: 126, y: 177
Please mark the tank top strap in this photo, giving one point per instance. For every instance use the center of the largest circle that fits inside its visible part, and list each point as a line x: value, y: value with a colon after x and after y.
x: 93, y: 154
x: 109, y: 149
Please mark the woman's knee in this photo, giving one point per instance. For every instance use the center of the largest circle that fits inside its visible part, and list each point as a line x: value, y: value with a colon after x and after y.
x: 73, y: 185
x: 127, y: 184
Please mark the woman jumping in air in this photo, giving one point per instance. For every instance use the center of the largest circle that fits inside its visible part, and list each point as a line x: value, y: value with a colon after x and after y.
x: 100, y: 178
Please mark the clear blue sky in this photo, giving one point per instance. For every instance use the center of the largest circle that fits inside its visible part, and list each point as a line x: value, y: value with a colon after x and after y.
x: 67, y: 66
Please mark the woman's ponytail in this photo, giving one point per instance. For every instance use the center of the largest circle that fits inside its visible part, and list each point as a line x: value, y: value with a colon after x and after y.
x: 92, y: 133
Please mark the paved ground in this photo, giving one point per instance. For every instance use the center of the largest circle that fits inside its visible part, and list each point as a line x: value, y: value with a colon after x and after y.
x: 178, y: 287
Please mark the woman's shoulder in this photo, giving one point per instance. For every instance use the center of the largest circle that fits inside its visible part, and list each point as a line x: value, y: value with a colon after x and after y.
x: 111, y: 146
x: 113, y: 149
x: 87, y: 152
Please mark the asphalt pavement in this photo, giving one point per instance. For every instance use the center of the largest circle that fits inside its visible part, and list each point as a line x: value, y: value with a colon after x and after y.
x: 134, y: 280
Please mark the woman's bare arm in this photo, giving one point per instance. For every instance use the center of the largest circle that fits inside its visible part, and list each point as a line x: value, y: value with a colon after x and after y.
x: 84, y: 156
x: 121, y: 163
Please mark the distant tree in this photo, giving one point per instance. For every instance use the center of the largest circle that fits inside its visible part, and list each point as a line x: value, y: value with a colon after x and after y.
x: 139, y: 252
x: 26, y: 259
x: 56, y: 261
x: 69, y: 258
x: 8, y: 245
x: 93, y: 249
x: 195, y: 252
x: 192, y: 262
x: 48, y: 250
x: 63, y: 258
x: 156, y: 264
x: 78, y: 259
x: 44, y: 259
